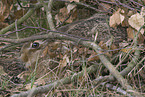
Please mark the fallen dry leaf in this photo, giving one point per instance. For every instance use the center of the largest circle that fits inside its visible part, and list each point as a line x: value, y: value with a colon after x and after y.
x: 71, y: 7
x: 3, y: 25
x: 142, y: 11
x: 116, y: 18
x: 132, y: 32
x: 136, y: 21
x: 93, y: 57
x: 104, y: 6
x: 64, y: 62
x: 126, y: 50
x: 66, y: 14
x: 6, y: 7
x: 18, y: 14
x: 63, y: 15
x: 1, y: 18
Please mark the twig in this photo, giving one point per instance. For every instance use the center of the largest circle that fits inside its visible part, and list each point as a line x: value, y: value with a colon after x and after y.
x: 137, y: 3
x: 104, y: 60
x: 115, y: 88
x: 124, y: 5
x: 26, y: 16
x: 89, y: 44
x: 86, y: 5
x: 48, y: 14
x: 46, y: 88
x: 16, y: 26
x: 136, y: 56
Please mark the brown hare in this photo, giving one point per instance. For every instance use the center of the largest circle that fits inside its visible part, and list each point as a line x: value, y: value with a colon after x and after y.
x: 36, y: 57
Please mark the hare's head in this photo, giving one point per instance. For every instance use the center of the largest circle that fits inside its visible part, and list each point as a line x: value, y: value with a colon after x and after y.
x: 31, y: 52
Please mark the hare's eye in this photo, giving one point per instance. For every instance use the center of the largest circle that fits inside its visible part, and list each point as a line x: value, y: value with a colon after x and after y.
x: 35, y: 45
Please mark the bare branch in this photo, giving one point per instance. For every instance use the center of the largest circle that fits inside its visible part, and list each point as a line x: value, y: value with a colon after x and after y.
x: 21, y: 20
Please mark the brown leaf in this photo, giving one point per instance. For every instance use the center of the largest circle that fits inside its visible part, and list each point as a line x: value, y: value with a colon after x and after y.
x: 142, y: 11
x: 105, y: 7
x: 64, y: 62
x: 3, y: 25
x: 18, y: 14
x: 132, y: 32
x: 126, y: 50
x: 2, y: 18
x: 6, y: 7
x: 103, y: 46
x: 71, y: 7
x: 64, y: 14
x: 116, y: 19
x: 136, y: 21
x: 93, y: 57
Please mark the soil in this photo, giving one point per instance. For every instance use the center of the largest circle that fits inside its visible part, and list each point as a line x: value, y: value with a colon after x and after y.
x: 11, y: 67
